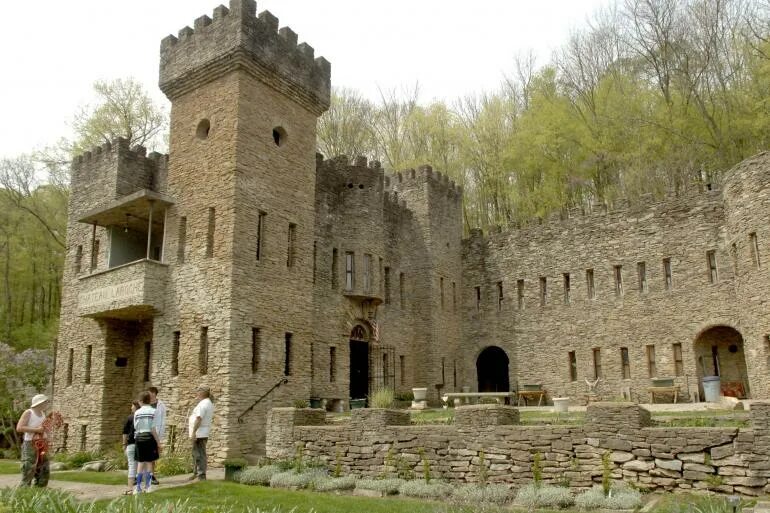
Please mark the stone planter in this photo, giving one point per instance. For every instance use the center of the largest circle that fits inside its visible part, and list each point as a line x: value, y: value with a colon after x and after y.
x: 561, y: 404
x: 420, y: 394
x: 372, y: 418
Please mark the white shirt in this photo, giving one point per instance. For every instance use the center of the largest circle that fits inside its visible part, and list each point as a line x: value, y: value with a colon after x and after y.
x: 205, y: 410
x: 34, y: 421
x: 160, y: 419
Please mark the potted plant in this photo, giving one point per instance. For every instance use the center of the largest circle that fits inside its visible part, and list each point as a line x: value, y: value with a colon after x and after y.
x: 233, y: 466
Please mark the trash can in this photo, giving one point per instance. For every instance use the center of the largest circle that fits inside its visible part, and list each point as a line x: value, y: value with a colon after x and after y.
x: 711, y: 391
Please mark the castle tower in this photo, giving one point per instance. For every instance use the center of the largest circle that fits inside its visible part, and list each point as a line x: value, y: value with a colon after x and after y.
x: 245, y: 99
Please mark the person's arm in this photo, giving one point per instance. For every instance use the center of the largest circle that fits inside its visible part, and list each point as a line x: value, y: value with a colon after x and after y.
x: 157, y: 438
x: 22, y: 426
x: 196, y: 425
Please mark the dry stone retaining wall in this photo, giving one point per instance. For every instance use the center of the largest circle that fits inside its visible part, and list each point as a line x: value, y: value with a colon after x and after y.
x: 728, y: 460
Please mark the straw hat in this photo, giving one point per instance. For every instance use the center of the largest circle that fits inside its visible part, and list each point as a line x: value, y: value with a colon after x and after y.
x: 38, y: 400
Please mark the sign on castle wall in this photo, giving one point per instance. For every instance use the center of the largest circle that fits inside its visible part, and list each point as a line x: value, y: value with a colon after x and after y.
x: 111, y: 293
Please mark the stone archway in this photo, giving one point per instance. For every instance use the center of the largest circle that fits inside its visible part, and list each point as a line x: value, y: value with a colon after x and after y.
x: 492, y: 370
x: 719, y: 352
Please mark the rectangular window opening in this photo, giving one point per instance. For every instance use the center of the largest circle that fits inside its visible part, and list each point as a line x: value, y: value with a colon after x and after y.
x: 78, y: 259
x: 543, y: 291
x: 332, y: 364
x: 443, y: 370
x: 175, y: 353
x: 203, y: 351
x: 441, y: 291
x: 387, y: 285
x: 500, y: 296
x: 402, y: 290
x: 335, y: 270
x: 478, y: 298
x: 754, y: 245
x: 678, y: 361
x: 147, y: 361
x: 70, y: 365
x: 641, y: 269
x: 287, y: 354
x: 401, y: 360
x: 454, y: 374
x: 597, y: 357
x: 256, y: 343
x: 83, y: 437
x: 572, y: 366
x: 625, y: 363
x: 95, y: 254
x: 520, y: 294
x: 567, y: 288
x: 291, y: 245
x: 367, y: 273
x: 667, y: 273
x: 210, y: 231
x: 591, y: 291
x: 711, y: 256
x: 89, y: 352
x: 618, y: 272
x: 315, y: 256
x: 260, y: 250
x: 454, y: 297
x: 349, y: 270
x: 181, y: 240
x: 652, y: 370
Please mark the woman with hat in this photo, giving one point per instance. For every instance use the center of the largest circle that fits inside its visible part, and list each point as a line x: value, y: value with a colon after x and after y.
x: 34, y: 463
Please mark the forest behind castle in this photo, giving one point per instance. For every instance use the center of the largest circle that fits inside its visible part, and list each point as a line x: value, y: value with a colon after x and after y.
x: 651, y: 96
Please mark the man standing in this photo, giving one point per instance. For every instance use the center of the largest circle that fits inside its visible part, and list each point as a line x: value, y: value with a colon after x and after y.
x: 160, y: 418
x: 200, y: 427
x: 34, y: 458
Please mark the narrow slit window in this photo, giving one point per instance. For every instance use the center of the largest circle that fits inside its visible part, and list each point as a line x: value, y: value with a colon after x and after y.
x: 734, y: 255
x: 70, y: 365
x: 669, y: 281
x: 402, y: 290
x: 181, y: 240
x: 618, y: 272
x: 454, y: 297
x: 210, y: 232
x: 402, y: 360
x: 567, y: 288
x: 543, y: 291
x: 367, y: 273
x: 597, y: 357
x: 652, y: 370
x: 381, y: 278
x: 287, y: 354
x: 443, y: 370
x: 454, y: 374
x: 335, y: 270
x: 89, y: 352
x: 678, y: 361
x: 332, y: 364
x: 641, y: 269
x: 203, y: 351
x: 261, y: 219
x: 83, y: 437
x: 315, y: 256
x: 349, y: 270
x: 65, y: 436
x: 572, y: 362
x: 256, y: 348
x: 95, y: 254
x: 711, y: 257
x: 175, y: 353
x: 387, y: 286
x: 591, y: 291
x: 78, y: 259
x: 291, y: 245
x: 147, y: 361
x: 478, y: 298
x: 754, y: 245
x: 441, y: 291
x: 625, y: 363
x: 520, y: 294
x: 385, y: 371
x: 500, y: 296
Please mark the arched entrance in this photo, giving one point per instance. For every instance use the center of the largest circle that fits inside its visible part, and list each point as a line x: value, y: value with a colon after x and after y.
x: 492, y: 370
x: 359, y: 362
x: 719, y: 352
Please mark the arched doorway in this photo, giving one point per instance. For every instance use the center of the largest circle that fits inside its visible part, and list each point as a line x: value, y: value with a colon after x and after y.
x: 359, y: 362
x: 492, y: 370
x: 719, y: 352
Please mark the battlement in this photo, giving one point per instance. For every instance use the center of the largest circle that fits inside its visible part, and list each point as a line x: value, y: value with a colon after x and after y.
x: 423, y: 175
x: 118, y: 147
x: 236, y: 38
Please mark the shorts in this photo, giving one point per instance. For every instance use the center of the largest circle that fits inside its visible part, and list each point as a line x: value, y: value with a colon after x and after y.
x: 131, y: 458
x: 146, y: 448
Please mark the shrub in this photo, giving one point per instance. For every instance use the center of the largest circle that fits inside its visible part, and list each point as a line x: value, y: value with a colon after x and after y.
x: 173, y: 464
x: 300, y: 403
x: 482, y: 473
x: 404, y: 396
x: 618, y: 498
x: 382, y: 398
x: 116, y: 458
x: 474, y: 494
x: 420, y: 489
x: 386, y: 486
x: 328, y: 484
x: 292, y: 479
x: 537, y: 469
x: 258, y: 475
x: 78, y: 459
x: 534, y: 495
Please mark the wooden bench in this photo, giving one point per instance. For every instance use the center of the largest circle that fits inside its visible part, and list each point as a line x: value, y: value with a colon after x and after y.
x: 465, y: 396
x: 526, y: 394
x: 674, y: 390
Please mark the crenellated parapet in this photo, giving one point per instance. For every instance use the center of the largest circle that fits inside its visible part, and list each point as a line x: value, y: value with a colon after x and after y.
x: 236, y: 38
x: 425, y: 176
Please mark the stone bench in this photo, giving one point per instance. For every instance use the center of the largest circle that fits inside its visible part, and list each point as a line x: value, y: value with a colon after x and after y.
x: 463, y: 397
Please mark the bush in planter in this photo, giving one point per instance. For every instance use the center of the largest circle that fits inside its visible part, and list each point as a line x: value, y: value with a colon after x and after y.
x: 234, y: 466
x: 382, y: 398
x: 258, y: 475
x: 475, y: 494
x: 543, y: 495
x: 420, y: 489
x: 386, y: 486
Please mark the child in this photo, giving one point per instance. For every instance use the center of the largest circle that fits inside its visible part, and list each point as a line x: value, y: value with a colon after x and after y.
x: 147, y: 443
x: 129, y: 445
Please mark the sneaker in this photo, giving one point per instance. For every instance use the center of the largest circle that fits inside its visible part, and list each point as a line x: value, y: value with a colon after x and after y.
x: 154, y: 481
x: 202, y: 477
x: 192, y: 477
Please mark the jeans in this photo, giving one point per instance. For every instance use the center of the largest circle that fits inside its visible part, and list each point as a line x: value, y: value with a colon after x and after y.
x: 199, y: 456
x: 131, y: 458
x: 30, y: 469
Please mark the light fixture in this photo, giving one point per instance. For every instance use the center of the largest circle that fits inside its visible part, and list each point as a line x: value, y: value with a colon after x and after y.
x: 125, y: 225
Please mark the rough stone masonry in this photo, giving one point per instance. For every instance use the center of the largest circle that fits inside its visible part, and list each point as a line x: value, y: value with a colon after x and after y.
x: 245, y: 261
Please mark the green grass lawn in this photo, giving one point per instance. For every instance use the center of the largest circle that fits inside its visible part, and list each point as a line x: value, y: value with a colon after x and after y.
x: 78, y: 476
x: 691, y: 503
x: 9, y: 467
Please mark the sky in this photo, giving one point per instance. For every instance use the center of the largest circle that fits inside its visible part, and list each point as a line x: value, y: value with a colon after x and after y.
x: 451, y: 48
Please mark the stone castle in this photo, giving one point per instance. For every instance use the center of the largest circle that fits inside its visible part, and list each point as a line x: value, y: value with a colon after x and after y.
x: 244, y: 261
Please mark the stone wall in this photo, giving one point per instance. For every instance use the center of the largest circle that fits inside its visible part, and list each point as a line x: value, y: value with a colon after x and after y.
x: 728, y: 460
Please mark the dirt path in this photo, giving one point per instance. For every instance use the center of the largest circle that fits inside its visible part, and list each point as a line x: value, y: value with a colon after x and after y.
x: 91, y: 491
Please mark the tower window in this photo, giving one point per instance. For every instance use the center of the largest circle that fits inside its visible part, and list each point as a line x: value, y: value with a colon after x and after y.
x: 175, y: 353
x: 441, y: 290
x: 349, y: 270
x: 678, y: 362
x: 202, y: 132
x: 203, y: 351
x: 597, y: 354
x: 70, y: 364
x: 279, y: 136
x: 543, y: 290
x: 78, y: 259
x: 499, y: 296
x: 261, y: 218
x: 618, y: 271
x: 567, y: 287
x: 625, y: 363
x: 590, y: 284
x: 754, y: 245
x: 572, y: 362
x: 147, y: 360
x: 256, y: 342
x: 402, y: 290
x: 652, y: 370
x: 387, y: 285
x: 291, y: 249
x: 334, y: 268
x: 711, y: 257
x: 89, y: 352
x: 520, y: 293
x: 478, y: 298
x: 641, y: 269
x: 454, y: 296
x: 210, y: 232
x: 287, y: 354
x: 367, y: 273
x: 332, y: 364
x: 667, y: 273
x: 181, y: 240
